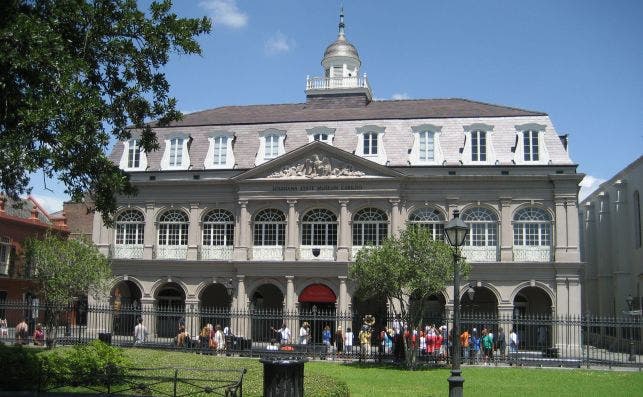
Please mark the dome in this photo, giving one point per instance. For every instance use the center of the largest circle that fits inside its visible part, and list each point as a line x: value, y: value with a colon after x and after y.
x: 341, y: 48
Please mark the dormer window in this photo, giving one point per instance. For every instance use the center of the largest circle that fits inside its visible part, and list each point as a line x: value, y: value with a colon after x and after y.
x: 530, y: 144
x: 220, y: 153
x: 133, y: 158
x: 176, y: 155
x: 426, y: 145
x: 321, y: 134
x: 478, y: 148
x: 370, y: 143
x: 271, y: 145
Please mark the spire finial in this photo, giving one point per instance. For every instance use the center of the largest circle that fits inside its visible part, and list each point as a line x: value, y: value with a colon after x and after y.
x: 341, y: 21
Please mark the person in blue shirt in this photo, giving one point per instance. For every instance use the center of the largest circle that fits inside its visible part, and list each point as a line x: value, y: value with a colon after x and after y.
x: 475, y: 339
x: 326, y: 337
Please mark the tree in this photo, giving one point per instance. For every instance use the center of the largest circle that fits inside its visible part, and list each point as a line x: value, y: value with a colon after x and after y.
x: 63, y: 269
x: 75, y: 74
x: 410, y: 265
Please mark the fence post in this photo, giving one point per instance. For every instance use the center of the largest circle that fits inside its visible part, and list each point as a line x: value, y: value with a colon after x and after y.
x: 587, y: 337
x: 176, y: 379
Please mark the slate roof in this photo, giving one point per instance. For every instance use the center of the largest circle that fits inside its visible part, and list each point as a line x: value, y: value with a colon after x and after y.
x: 375, y: 110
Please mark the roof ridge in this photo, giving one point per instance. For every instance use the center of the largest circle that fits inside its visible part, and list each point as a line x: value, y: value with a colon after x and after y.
x: 500, y: 106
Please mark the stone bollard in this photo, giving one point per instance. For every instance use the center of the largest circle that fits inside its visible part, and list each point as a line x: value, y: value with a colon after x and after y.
x: 283, y: 378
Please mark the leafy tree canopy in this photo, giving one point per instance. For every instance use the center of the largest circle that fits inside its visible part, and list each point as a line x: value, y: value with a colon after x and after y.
x: 73, y: 75
x: 63, y: 269
x: 412, y: 264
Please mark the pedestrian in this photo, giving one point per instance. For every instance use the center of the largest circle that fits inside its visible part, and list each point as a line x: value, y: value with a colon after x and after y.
x: 39, y: 336
x: 219, y: 339
x: 22, y: 332
x: 475, y: 339
x: 513, y: 342
x: 4, y: 330
x: 487, y: 345
x: 326, y: 335
x: 339, y: 340
x: 304, y: 334
x: 140, y: 332
x: 501, y: 343
x: 348, y: 340
x: 464, y: 343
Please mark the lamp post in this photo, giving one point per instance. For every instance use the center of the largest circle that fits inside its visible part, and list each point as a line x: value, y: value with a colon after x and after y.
x: 456, y: 231
x: 630, y: 302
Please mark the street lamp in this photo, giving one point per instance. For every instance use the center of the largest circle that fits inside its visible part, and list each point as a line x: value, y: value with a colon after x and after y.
x: 456, y: 231
x: 630, y: 302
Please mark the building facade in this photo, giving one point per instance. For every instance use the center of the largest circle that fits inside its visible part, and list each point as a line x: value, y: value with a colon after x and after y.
x: 277, y: 199
x: 611, y: 243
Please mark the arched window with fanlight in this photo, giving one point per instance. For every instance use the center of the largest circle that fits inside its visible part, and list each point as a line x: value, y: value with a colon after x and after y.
x: 217, y: 235
x: 532, y: 235
x: 172, y: 235
x: 269, y: 234
x: 430, y: 219
x: 370, y: 227
x: 318, y: 234
x: 481, y: 243
x: 130, y: 226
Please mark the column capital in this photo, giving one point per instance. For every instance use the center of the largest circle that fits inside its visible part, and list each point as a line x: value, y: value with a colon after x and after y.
x: 394, y: 202
x: 289, y: 278
x: 291, y: 202
x: 505, y: 201
x: 243, y: 203
x: 241, y: 277
x: 343, y: 203
x: 149, y: 205
x: 342, y: 279
x: 194, y: 206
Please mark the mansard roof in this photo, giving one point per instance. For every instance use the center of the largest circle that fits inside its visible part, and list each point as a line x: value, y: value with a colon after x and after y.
x: 375, y: 110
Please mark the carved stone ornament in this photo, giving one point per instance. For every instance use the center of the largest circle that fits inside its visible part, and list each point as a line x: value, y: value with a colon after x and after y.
x: 314, y: 167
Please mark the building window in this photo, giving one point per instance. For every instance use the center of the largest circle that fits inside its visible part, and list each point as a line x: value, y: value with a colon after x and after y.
x: 134, y: 154
x: 173, y: 228
x: 218, y: 228
x: 176, y: 152
x: 270, y: 228
x: 370, y: 227
x: 637, y: 219
x: 370, y: 144
x: 532, y: 227
x: 220, y: 150
x: 530, y: 145
x: 271, y: 146
x: 5, y: 254
x: 427, y: 146
x: 319, y: 227
x: 321, y: 134
x: 220, y: 154
x: 478, y: 145
x: 483, y: 227
x: 129, y: 228
x: 429, y: 219
x: 320, y: 137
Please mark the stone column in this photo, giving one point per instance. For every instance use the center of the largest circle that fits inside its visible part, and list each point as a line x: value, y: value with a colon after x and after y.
x: 343, y: 240
x: 589, y: 242
x: 149, y: 237
x: 604, y: 239
x: 290, y: 307
x: 192, y: 320
x: 505, y: 321
x: 194, y: 232
x: 240, y: 321
x: 621, y: 244
x: 567, y: 308
x: 149, y: 316
x: 506, y: 230
x: 243, y: 232
x: 292, y: 236
x: 395, y: 217
x: 343, y: 305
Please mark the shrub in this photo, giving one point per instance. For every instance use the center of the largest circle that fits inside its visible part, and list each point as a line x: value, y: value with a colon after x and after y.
x: 20, y: 368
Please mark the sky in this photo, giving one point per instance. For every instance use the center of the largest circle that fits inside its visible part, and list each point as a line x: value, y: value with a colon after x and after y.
x: 579, y: 61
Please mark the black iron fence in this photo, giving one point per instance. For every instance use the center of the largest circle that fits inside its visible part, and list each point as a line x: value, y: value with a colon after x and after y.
x: 325, y: 333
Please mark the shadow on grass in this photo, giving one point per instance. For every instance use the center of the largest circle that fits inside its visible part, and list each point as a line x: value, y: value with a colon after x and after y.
x: 394, y: 367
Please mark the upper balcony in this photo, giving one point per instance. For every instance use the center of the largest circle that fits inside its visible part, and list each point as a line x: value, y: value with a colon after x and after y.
x: 333, y: 83
x: 215, y: 252
x: 126, y: 251
x: 532, y: 253
x: 485, y: 253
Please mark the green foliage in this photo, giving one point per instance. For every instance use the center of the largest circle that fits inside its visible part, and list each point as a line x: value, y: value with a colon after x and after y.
x: 74, y: 74
x: 65, y: 268
x: 20, y: 368
x: 95, y: 363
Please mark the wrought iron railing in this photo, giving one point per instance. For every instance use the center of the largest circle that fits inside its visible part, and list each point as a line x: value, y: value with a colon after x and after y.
x: 126, y: 251
x: 524, y: 253
x: 215, y: 252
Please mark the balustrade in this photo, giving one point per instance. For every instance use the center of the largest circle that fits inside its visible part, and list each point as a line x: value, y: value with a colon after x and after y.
x: 324, y: 252
x: 171, y: 252
x: 328, y: 83
x: 209, y: 252
x: 535, y: 253
x: 274, y: 252
x: 126, y: 251
x: 487, y: 253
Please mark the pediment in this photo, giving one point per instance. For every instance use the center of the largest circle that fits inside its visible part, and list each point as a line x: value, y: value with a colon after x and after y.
x: 317, y: 160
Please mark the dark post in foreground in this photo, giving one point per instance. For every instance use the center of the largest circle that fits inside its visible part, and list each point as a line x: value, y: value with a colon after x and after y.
x: 456, y: 231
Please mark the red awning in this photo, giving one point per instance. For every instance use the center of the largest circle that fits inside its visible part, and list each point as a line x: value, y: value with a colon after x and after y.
x: 317, y: 293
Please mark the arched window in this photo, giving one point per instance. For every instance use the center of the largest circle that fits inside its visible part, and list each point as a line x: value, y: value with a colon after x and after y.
x: 483, y: 227
x: 319, y: 227
x: 272, y: 146
x: 173, y: 228
x: 129, y: 227
x: 532, y: 226
x: 430, y: 219
x: 218, y: 228
x: 269, y: 227
x: 370, y: 227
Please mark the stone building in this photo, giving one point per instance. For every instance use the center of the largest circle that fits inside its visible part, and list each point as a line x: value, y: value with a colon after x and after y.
x: 611, y: 243
x: 277, y: 199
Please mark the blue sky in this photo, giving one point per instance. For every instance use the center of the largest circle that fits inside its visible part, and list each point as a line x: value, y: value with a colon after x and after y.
x: 580, y: 61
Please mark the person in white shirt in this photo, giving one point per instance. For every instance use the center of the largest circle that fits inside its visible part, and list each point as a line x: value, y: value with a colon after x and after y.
x: 303, y: 333
x: 140, y: 332
x: 348, y: 340
x: 513, y: 342
x: 284, y: 334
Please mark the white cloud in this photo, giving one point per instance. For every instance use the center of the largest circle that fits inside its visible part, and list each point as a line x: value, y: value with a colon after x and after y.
x: 400, y: 95
x: 50, y: 203
x: 278, y: 43
x: 588, y: 185
x: 226, y: 13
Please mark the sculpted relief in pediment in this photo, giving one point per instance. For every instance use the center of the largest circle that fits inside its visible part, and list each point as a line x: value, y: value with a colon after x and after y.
x: 317, y: 166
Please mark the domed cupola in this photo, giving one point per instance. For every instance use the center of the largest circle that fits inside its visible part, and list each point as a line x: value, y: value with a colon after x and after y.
x: 341, y: 84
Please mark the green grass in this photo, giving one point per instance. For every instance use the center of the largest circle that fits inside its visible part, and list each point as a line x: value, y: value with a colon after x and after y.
x: 368, y: 380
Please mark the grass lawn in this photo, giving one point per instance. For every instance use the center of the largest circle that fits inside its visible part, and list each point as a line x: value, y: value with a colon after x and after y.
x: 483, y: 381
x: 387, y: 381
